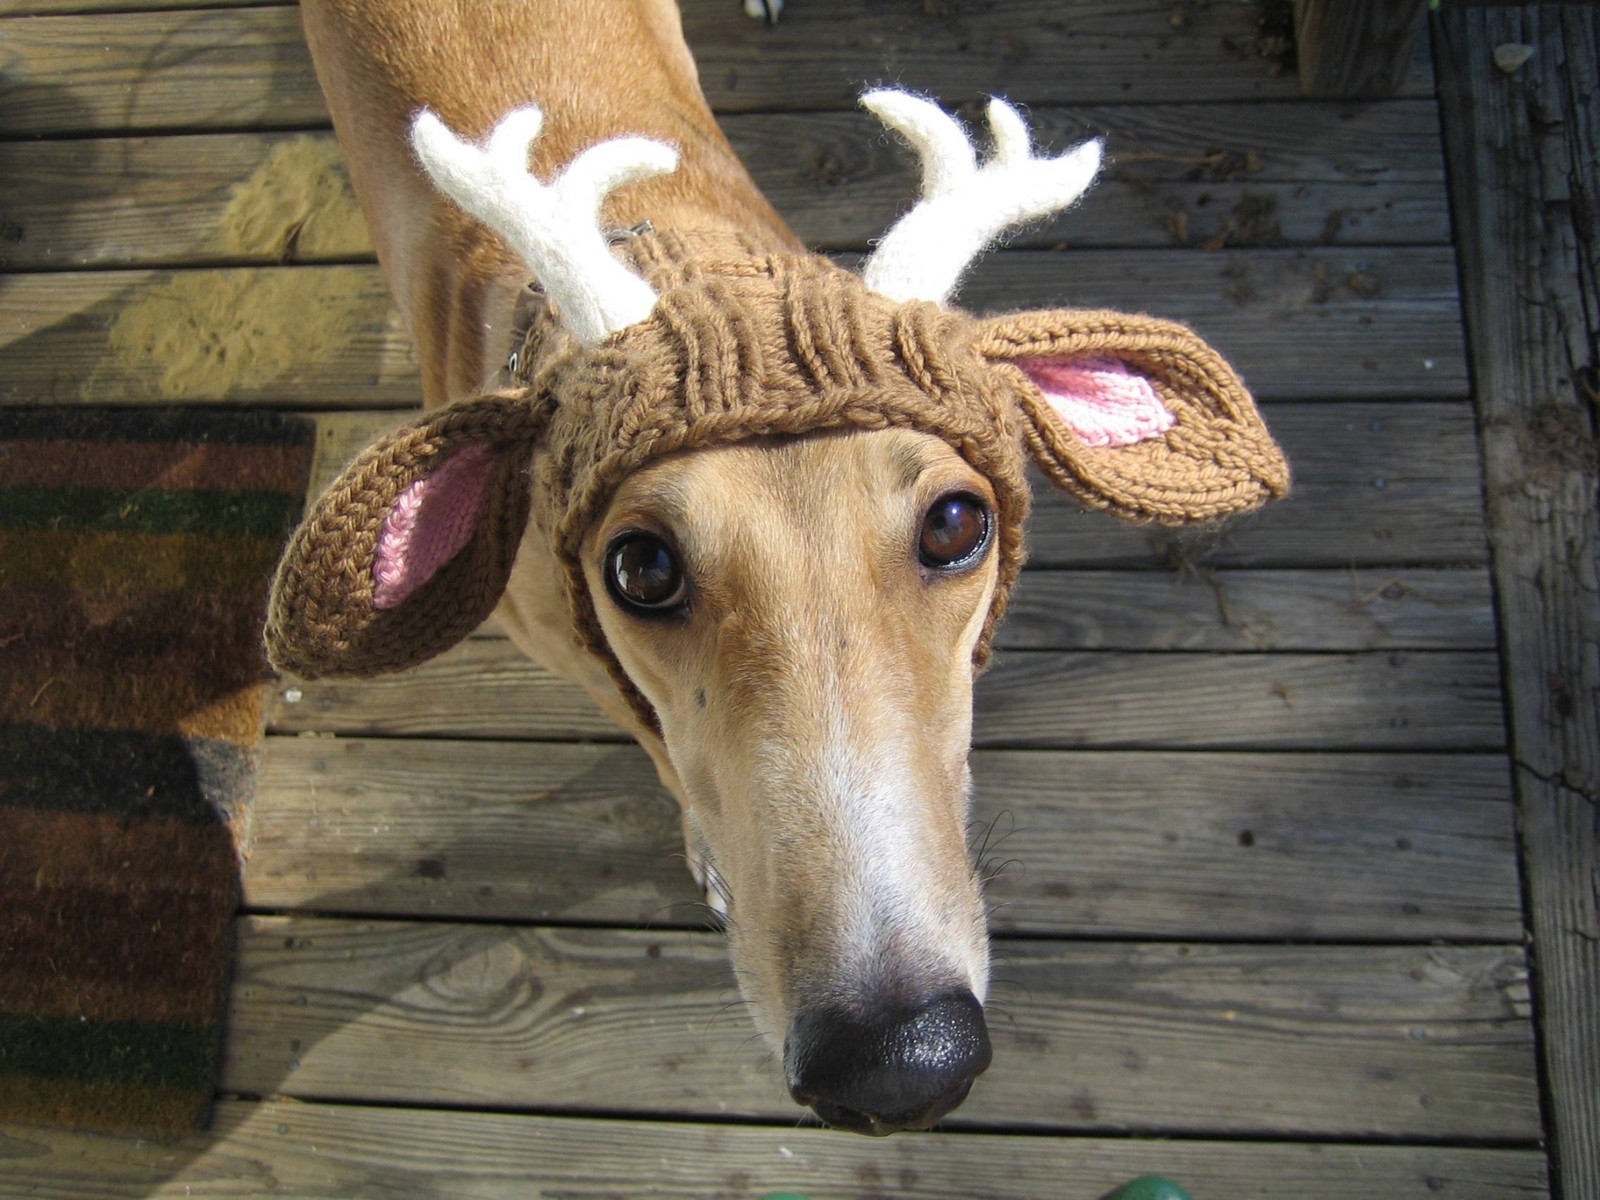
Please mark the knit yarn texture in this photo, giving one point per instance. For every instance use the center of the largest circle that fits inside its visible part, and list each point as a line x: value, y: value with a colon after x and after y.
x: 749, y: 342
x: 324, y: 617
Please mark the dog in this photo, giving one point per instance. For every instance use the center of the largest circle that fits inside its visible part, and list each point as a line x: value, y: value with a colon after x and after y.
x: 767, y: 511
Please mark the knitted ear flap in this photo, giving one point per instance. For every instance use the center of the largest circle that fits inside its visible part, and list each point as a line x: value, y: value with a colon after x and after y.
x: 1135, y: 415
x: 410, y: 548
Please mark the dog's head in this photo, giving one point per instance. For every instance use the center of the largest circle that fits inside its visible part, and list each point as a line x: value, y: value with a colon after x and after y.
x: 787, y: 504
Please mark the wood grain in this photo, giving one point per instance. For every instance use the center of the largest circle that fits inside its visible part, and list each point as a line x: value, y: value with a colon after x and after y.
x: 819, y: 55
x: 1305, y: 846
x: 1398, y: 1041
x: 236, y: 68
x: 177, y: 201
x: 1310, y: 324
x: 1212, y: 175
x: 1230, y: 610
x: 1374, y: 484
x: 1398, y: 700
x: 326, y: 335
x: 1297, y: 324
x: 1393, y: 608
x: 13, y: 8
x: 1395, y: 700
x: 1525, y: 148
x: 1356, y: 50
x: 356, y: 1153
x: 226, y: 68
x: 1215, y: 176
x: 1309, y: 241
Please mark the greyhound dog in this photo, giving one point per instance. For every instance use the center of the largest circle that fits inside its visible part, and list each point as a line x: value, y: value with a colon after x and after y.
x: 765, y: 510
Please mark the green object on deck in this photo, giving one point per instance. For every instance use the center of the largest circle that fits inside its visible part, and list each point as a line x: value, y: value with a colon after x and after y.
x: 1149, y: 1187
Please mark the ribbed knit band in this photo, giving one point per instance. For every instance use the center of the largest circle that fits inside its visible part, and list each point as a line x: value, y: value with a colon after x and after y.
x: 748, y: 343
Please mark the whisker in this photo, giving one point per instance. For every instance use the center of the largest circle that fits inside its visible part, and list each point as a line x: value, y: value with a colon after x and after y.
x: 1001, y: 981
x: 988, y: 832
x: 991, y: 873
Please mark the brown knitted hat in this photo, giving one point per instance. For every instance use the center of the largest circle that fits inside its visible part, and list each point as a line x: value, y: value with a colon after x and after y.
x: 411, y: 548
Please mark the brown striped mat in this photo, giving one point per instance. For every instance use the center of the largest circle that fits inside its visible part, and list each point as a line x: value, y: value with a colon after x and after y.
x: 135, y: 551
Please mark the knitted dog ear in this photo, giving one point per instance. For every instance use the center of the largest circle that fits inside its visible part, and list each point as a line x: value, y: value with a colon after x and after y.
x: 1135, y: 415
x: 410, y: 548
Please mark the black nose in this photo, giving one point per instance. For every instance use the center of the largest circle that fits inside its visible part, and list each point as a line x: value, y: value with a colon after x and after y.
x: 898, y: 1067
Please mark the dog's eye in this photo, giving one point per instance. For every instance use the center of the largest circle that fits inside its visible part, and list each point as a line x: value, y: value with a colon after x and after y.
x: 955, y: 532
x: 644, y: 574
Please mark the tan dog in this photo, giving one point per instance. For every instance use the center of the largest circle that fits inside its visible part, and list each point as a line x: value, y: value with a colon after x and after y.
x: 776, y: 508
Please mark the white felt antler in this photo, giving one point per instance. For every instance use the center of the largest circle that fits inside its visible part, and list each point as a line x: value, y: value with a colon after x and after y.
x: 555, y: 227
x: 964, y: 207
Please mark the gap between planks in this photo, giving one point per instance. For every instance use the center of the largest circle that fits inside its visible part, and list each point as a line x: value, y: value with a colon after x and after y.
x: 370, y: 1153
x: 1524, y: 150
x: 1317, y: 323
x: 1384, y: 848
x: 1392, y: 485
x: 1222, y: 176
x: 1395, y: 700
x: 246, y: 67
x: 1424, y: 1041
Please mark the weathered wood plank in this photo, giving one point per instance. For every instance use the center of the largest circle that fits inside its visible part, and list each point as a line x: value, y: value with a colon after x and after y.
x: 39, y: 8
x: 1390, y: 845
x: 1377, y: 848
x: 317, y: 1150
x: 248, y: 67
x: 1031, y: 48
x: 206, y: 199
x: 280, y: 335
x: 1361, y: 49
x: 530, y: 700
x: 1329, y: 1040
x: 1204, y: 175
x: 1396, y: 700
x: 239, y: 68
x: 1399, y: 700
x: 1311, y: 324
x: 1214, y: 175
x: 1525, y: 150
x: 1298, y: 324
x: 1374, y: 484
x: 1385, y: 608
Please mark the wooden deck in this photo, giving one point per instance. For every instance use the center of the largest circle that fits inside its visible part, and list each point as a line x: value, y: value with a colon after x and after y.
x: 1260, y: 921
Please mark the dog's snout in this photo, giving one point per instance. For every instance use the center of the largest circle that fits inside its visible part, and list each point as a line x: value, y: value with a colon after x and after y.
x: 899, y: 1067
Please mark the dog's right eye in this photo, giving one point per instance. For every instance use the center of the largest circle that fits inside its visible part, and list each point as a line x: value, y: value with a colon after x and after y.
x: 955, y: 532
x: 644, y: 575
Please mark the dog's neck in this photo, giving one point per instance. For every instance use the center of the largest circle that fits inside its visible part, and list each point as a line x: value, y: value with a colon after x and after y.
x: 456, y: 284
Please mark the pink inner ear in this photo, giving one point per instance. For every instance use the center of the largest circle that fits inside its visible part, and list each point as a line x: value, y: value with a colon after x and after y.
x: 429, y: 524
x: 1100, y: 399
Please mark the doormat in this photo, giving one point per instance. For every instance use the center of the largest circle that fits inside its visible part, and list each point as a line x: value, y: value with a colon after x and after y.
x: 135, y: 552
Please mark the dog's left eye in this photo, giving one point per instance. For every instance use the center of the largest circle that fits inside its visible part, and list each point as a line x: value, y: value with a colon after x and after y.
x: 955, y: 532
x: 643, y: 574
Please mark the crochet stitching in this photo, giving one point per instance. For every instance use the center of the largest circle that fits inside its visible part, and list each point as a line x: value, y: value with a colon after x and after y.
x: 749, y: 342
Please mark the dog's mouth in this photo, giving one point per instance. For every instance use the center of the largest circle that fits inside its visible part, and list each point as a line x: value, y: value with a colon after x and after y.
x: 713, y: 884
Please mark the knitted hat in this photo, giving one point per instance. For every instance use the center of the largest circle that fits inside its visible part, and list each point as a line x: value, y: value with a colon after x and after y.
x: 412, y: 547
